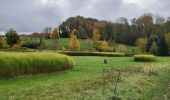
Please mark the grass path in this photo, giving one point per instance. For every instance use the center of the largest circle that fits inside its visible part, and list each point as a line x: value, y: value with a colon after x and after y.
x: 57, y: 85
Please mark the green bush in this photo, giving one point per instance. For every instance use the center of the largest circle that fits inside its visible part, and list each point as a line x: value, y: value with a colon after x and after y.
x: 144, y: 58
x: 14, y: 64
x: 109, y: 54
x: 31, y: 44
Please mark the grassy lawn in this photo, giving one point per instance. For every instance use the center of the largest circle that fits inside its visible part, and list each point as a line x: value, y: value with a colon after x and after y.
x: 84, y: 82
x: 84, y: 44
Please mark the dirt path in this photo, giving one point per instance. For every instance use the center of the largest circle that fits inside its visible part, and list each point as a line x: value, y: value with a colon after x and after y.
x: 167, y: 92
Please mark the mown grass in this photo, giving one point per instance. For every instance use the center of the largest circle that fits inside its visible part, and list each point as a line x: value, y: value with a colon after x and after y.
x: 14, y: 64
x: 83, y: 82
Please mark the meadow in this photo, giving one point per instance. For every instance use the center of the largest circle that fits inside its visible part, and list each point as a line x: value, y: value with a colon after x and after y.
x: 91, y: 79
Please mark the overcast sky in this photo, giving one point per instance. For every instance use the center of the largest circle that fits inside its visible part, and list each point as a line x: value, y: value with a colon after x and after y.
x: 33, y: 15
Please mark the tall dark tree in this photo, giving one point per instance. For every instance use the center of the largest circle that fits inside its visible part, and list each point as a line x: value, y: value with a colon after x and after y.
x: 163, y: 48
x: 151, y: 39
x: 145, y: 24
x: 12, y: 37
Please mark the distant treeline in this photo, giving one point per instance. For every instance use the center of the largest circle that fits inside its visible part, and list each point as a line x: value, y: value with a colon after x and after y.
x: 122, y: 30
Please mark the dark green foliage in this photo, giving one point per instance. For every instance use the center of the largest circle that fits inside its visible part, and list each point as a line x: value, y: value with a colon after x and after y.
x: 163, y: 48
x: 151, y: 39
x: 119, y: 31
x: 16, y: 64
x: 107, y: 32
x: 12, y: 37
x: 144, y: 58
x: 108, y: 54
x: 82, y: 33
x: 31, y: 44
x: 75, y: 22
x: 1, y: 43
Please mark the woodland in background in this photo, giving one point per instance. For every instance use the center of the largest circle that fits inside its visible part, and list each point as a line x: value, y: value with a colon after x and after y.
x: 151, y: 33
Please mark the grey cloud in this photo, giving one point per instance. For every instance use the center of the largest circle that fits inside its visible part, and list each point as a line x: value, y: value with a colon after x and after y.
x: 31, y: 15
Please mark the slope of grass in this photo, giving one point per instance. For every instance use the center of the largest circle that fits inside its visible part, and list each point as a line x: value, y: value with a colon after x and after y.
x: 84, y: 81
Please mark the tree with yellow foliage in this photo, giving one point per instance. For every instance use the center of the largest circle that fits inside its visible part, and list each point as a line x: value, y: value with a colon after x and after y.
x: 104, y: 46
x: 142, y: 43
x: 96, y: 35
x: 74, y: 32
x: 74, y: 43
x: 96, y: 38
x: 55, y: 36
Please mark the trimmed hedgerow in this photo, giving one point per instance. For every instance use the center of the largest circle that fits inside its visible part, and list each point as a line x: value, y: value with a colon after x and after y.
x: 144, y: 58
x: 14, y: 64
x: 109, y: 54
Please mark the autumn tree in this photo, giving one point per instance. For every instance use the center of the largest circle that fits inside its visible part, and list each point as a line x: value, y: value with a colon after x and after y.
x: 74, y: 32
x: 104, y: 46
x: 154, y: 48
x: 55, y: 36
x: 12, y: 37
x: 74, y: 43
x: 96, y: 38
x: 141, y: 43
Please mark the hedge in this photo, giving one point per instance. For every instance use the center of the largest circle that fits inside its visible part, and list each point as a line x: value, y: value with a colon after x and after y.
x: 108, y: 54
x: 144, y: 58
x: 14, y: 64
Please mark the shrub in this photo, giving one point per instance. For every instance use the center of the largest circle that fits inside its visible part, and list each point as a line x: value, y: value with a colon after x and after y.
x: 12, y: 37
x: 109, y: 54
x: 14, y: 64
x: 31, y: 44
x: 16, y: 46
x: 104, y: 46
x: 122, y: 48
x: 144, y: 58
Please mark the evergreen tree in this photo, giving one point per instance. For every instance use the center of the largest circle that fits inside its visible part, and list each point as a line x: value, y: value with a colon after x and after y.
x: 154, y: 48
x: 151, y: 39
x: 163, y: 49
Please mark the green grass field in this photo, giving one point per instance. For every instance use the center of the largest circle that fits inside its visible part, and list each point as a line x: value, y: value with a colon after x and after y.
x: 85, y: 81
x: 84, y: 44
